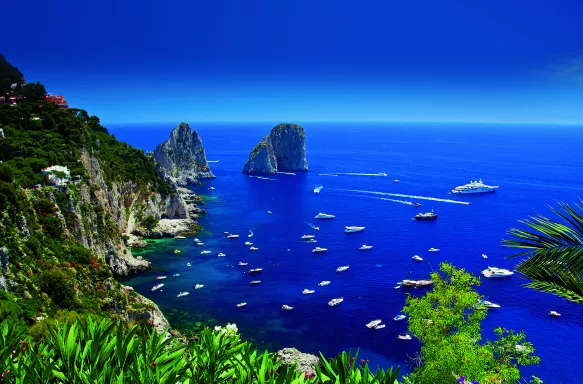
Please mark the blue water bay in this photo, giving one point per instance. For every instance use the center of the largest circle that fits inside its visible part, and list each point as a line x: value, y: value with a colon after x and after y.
x: 533, y: 165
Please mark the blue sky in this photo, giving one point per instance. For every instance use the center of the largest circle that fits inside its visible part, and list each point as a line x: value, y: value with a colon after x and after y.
x: 269, y: 60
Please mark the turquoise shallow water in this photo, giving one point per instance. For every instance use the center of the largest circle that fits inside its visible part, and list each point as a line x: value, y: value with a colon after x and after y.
x: 534, y: 166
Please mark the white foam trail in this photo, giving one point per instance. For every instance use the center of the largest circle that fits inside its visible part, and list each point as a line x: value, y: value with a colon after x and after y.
x: 287, y: 173
x: 407, y: 196
x: 362, y: 174
x: 396, y: 201
x: 262, y: 178
x: 313, y: 226
x: 213, y: 161
x: 326, y: 174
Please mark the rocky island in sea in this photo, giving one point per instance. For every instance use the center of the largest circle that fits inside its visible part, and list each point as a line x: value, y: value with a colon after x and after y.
x: 284, y: 150
x: 182, y: 158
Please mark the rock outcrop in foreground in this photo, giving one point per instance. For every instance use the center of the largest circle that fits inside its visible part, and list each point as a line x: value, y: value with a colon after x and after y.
x: 284, y: 150
x: 182, y: 158
x: 303, y: 362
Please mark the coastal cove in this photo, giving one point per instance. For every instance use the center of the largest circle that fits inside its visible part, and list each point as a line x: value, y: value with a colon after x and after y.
x: 428, y: 160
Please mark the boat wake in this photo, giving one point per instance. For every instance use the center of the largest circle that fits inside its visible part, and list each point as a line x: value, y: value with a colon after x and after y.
x: 263, y: 178
x: 313, y: 226
x: 397, y: 201
x: 406, y: 196
x: 213, y: 161
x: 287, y: 173
x: 382, y: 174
x: 326, y: 174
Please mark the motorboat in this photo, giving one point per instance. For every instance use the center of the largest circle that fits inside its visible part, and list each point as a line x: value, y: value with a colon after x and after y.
x: 160, y: 277
x: 253, y: 248
x: 196, y: 240
x: 188, y: 265
x: 399, y: 317
x: 248, y: 243
x: 241, y: 305
x: 308, y: 237
x: 221, y: 254
x: 200, y: 243
x: 342, y: 268
x: 242, y: 264
x: 324, y: 216
x: 181, y: 294
x: 319, y: 250
x: 318, y: 189
x: 205, y: 252
x: 212, y: 188
x: 365, y: 247
x: 323, y: 283
x: 157, y: 286
x: 484, y: 256
x: 254, y: 282
x: 554, y: 314
x: 176, y: 274
x: 232, y: 236
x: 426, y: 216
x: 250, y: 234
x: 269, y: 212
x: 256, y: 270
x: 352, y: 229
x: 494, y: 272
x: 417, y: 258
x: 373, y: 323
x: 180, y: 237
x: 433, y: 250
x: 416, y: 204
x: 489, y: 304
x: 397, y: 287
x: 380, y: 326
x: 307, y: 291
x: 335, y: 302
x: 416, y: 283
x: 404, y: 337
x: 396, y: 181
x: 474, y: 187
x: 177, y: 251
x: 198, y: 286
x: 312, y: 241
x: 287, y: 307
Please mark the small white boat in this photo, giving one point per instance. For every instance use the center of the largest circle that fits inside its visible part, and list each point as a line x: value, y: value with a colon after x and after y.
x: 212, y: 188
x: 287, y: 307
x: 380, y: 326
x: 255, y: 282
x: 176, y: 274
x: 489, y: 304
x: 157, y: 286
x: 221, y: 255
x: 397, y: 287
x: 365, y: 247
x: 250, y: 233
x: 256, y: 270
x: 253, y: 248
x: 308, y: 237
x: 180, y: 237
x: 248, y: 243
x: 554, y: 314
x: 232, y: 236
x: 324, y: 216
x: 196, y: 240
x: 205, y: 252
x: 484, y: 256
x: 352, y: 229
x: 182, y: 294
x: 417, y: 258
x: 433, y: 250
x: 242, y: 264
x: 382, y: 174
x: 334, y: 302
x: 404, y: 337
x: 399, y: 317
x: 198, y: 286
x: 373, y: 323
x: 160, y: 277
x: 200, y: 243
x: 312, y: 241
x: 241, y: 305
x: 396, y: 181
x: 269, y: 212
x: 342, y: 268
x: 319, y: 250
x: 307, y: 291
x: 188, y: 264
x: 318, y: 189
x: 323, y: 283
x: 177, y: 251
x: 494, y: 272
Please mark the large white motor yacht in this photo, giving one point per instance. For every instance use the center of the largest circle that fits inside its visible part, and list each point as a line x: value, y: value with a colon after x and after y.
x: 475, y: 187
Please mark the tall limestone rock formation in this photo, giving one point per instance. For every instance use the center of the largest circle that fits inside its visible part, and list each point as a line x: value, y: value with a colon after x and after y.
x: 182, y: 157
x: 284, y: 150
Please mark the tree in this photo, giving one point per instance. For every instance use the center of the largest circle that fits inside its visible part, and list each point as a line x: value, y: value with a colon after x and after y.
x: 447, y: 320
x: 149, y: 222
x: 554, y: 251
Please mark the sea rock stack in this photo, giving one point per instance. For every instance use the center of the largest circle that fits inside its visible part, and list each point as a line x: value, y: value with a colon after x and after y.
x: 284, y: 150
x: 182, y: 158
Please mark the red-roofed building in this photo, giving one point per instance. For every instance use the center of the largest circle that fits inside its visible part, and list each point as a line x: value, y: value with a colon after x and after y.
x: 58, y: 100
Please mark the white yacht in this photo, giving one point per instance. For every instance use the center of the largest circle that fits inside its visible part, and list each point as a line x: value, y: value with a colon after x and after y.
x: 212, y: 188
x: 318, y: 189
x: 269, y: 212
x: 198, y: 286
x: 253, y: 248
x: 319, y: 250
x: 352, y: 229
x: 396, y: 181
x: 180, y: 237
x: 256, y: 270
x: 308, y: 237
x: 232, y: 236
x: 493, y: 272
x: 489, y: 304
x: 177, y: 251
x: 373, y: 323
x: 188, y: 264
x: 176, y: 274
x: 157, y: 286
x: 417, y: 258
x: 255, y: 282
x: 205, y: 252
x: 554, y: 314
x: 250, y: 233
x: 160, y: 277
x: 382, y: 174
x: 484, y: 256
x: 248, y: 243
x: 342, y: 268
x: 287, y: 307
x: 221, y: 254
x: 404, y: 337
x: 399, y: 317
x: 380, y: 326
x: 475, y: 187
x: 196, y: 240
x: 307, y: 291
x: 200, y: 243
x: 323, y: 283
x: 365, y: 247
x: 242, y: 264
x: 334, y: 302
x: 241, y: 305
x: 433, y: 250
x: 324, y: 216
x: 182, y: 294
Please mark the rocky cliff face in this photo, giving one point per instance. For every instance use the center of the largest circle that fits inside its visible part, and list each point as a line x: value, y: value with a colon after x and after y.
x: 182, y: 157
x: 283, y: 150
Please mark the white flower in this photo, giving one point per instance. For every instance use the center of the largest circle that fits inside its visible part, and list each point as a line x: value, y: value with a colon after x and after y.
x: 217, y: 328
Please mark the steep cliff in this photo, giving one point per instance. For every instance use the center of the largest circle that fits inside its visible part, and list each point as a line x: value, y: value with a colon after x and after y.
x: 182, y: 157
x: 283, y: 150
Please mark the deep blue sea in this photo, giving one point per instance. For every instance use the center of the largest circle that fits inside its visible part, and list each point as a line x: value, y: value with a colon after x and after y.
x: 533, y: 165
